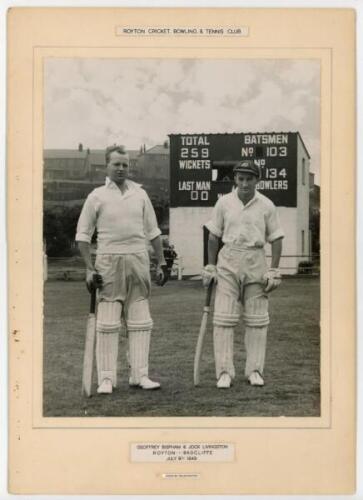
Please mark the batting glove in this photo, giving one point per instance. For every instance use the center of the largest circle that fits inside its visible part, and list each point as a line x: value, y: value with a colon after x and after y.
x: 161, y: 274
x: 272, y: 279
x: 209, y: 273
x: 93, y: 280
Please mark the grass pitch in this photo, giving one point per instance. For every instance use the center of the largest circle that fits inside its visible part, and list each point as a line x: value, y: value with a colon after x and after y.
x: 292, y: 369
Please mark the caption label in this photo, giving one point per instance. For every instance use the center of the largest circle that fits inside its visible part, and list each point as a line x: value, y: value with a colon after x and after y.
x: 182, y: 452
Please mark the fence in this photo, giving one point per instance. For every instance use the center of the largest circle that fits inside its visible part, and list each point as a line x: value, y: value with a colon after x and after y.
x: 308, y: 264
x: 72, y: 269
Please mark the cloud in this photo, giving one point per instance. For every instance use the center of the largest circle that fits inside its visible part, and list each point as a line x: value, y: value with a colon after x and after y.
x: 134, y: 101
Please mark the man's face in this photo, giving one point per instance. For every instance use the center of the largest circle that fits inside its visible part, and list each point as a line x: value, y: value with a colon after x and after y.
x: 118, y: 167
x: 246, y: 184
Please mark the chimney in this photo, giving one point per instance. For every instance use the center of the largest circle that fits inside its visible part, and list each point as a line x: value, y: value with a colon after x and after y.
x: 80, y: 147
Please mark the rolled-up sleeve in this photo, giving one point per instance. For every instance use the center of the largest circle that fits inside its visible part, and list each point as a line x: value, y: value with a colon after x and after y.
x: 87, y: 221
x: 151, y: 228
x: 216, y: 224
x: 274, y: 230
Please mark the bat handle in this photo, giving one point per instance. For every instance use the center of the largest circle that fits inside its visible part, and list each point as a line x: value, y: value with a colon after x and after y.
x: 92, y: 308
x: 209, y: 293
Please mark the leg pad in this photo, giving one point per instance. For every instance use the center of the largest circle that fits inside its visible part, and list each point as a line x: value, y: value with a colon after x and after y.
x: 138, y: 316
x: 255, y: 342
x: 108, y: 327
x: 255, y: 308
x: 109, y: 317
x: 223, y: 350
x: 227, y: 310
x: 256, y: 319
x: 139, y: 346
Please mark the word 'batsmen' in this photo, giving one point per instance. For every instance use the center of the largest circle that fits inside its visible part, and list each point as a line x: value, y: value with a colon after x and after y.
x: 125, y: 220
x: 244, y: 219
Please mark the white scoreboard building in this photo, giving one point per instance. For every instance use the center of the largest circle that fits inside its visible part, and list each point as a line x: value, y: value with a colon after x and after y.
x: 201, y: 170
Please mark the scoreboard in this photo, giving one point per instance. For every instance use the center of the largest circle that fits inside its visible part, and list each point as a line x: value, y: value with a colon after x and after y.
x: 201, y: 166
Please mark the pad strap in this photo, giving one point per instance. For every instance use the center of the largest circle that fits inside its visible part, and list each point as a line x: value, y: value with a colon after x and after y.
x: 225, y: 319
x: 133, y: 325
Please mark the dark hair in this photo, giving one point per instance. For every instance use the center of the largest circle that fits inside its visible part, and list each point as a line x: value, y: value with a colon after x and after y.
x: 110, y: 149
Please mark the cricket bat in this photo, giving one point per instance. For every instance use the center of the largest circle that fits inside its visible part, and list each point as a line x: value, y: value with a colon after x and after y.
x: 89, y: 347
x: 202, y: 330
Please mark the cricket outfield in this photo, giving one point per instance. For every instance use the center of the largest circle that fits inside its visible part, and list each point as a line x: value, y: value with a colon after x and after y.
x: 292, y: 370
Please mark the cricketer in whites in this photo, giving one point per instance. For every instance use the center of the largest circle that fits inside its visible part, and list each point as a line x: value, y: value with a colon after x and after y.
x: 245, y: 220
x: 125, y: 220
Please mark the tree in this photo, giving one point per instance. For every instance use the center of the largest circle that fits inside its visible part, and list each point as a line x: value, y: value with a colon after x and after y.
x: 59, y: 230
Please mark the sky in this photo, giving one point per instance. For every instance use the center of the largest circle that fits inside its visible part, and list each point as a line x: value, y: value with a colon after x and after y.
x: 99, y: 102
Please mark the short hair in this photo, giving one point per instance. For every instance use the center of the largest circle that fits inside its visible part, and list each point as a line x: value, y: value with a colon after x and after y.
x: 111, y: 149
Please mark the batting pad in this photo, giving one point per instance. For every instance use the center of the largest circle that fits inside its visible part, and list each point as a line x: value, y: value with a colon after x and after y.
x: 255, y: 342
x: 139, y: 346
x: 255, y: 308
x: 106, y: 356
x: 138, y: 316
x: 108, y: 317
x: 226, y: 310
x: 223, y: 350
x: 108, y: 327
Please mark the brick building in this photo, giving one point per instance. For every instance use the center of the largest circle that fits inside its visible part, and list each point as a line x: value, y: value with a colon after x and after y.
x: 71, y: 174
x: 153, y: 163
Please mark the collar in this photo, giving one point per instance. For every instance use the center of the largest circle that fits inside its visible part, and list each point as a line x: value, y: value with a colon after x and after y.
x: 252, y: 200
x: 131, y: 185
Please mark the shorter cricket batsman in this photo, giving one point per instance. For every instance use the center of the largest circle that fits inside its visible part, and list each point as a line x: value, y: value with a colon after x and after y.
x: 244, y: 220
x: 125, y: 220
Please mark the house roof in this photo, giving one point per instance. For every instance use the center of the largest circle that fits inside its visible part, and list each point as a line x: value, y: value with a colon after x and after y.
x: 64, y: 154
x: 133, y: 153
x: 159, y: 149
x: 97, y: 156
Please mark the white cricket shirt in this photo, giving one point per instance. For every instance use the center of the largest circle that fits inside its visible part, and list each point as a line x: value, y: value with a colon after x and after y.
x: 124, y: 222
x: 245, y: 226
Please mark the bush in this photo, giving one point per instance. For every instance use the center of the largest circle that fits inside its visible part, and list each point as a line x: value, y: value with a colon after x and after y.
x: 305, y: 267
x: 59, y: 230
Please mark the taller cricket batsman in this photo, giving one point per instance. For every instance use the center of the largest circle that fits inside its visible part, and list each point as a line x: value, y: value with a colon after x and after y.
x: 244, y: 220
x: 125, y: 220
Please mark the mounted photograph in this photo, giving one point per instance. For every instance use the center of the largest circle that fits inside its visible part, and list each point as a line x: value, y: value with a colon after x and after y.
x: 181, y: 237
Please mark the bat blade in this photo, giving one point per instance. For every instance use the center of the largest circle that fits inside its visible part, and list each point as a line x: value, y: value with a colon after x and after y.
x: 199, y: 347
x: 202, y: 330
x: 89, y: 354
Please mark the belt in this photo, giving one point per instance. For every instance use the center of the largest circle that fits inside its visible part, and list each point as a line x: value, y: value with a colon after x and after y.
x: 242, y: 248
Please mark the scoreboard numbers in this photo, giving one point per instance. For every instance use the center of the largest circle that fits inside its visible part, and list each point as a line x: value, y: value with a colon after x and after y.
x: 194, y: 153
x: 273, y: 151
x: 201, y: 166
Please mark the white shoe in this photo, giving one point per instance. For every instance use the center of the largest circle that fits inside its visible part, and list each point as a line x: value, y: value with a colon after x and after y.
x: 224, y: 381
x: 256, y: 379
x: 105, y: 387
x: 145, y: 383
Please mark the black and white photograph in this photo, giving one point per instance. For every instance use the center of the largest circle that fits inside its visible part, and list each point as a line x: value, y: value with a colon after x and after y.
x: 181, y: 237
